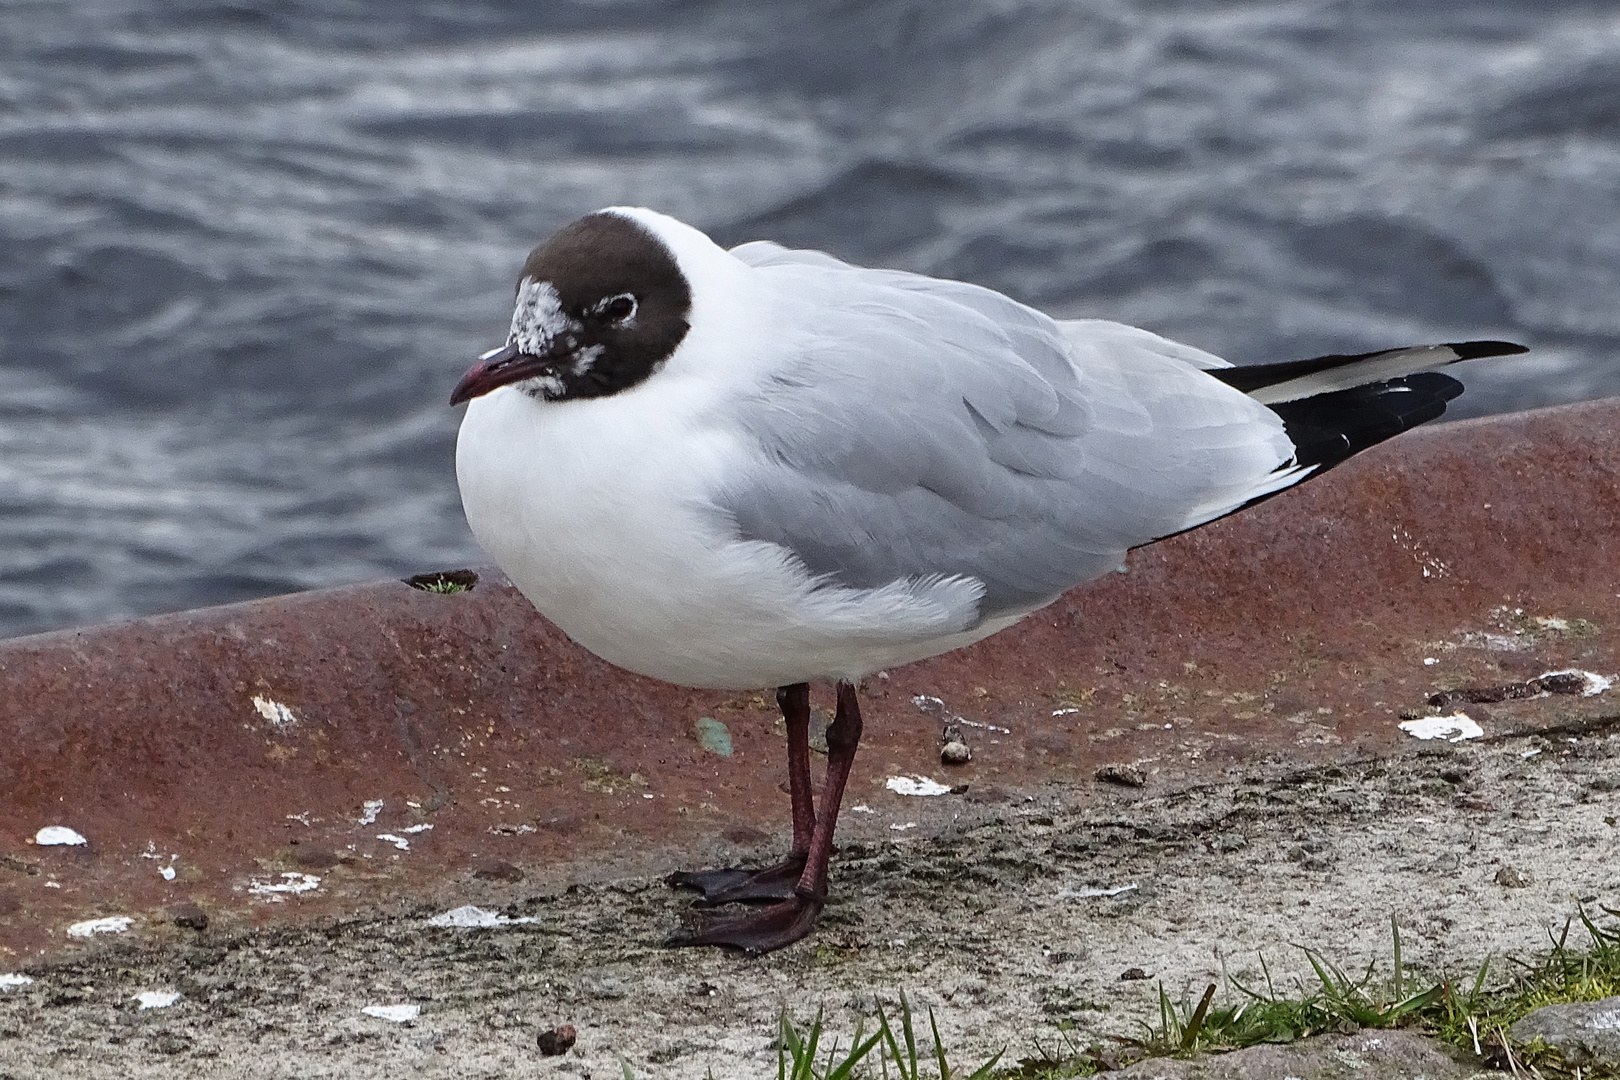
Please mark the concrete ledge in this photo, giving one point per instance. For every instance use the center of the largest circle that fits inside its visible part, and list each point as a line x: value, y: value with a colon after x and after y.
x: 242, y: 746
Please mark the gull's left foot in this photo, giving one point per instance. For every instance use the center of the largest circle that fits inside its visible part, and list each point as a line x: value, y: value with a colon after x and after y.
x: 760, y: 931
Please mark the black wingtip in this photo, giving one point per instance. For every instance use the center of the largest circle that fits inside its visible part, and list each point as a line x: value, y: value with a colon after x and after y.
x: 1474, y: 350
x: 1328, y: 428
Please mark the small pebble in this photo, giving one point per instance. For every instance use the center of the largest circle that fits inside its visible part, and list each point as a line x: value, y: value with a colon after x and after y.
x: 497, y: 870
x: 745, y: 835
x: 557, y: 1041
x: 1509, y: 878
x: 189, y: 916
x: 955, y: 753
x: 1123, y: 775
x: 1130, y: 974
x: 310, y: 858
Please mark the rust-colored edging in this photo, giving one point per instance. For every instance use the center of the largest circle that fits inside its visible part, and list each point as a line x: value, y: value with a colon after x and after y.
x: 331, y: 751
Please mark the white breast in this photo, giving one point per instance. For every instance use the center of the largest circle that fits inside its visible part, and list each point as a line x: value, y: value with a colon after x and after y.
x: 602, y: 512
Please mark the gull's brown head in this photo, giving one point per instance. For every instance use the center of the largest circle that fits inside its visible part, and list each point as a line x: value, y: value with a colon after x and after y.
x: 600, y: 307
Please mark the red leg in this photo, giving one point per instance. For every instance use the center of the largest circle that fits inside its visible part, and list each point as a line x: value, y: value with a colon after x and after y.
x: 730, y: 884
x: 784, y: 923
x: 794, y: 702
x: 843, y: 738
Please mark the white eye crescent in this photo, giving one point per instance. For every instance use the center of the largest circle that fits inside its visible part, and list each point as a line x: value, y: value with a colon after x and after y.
x: 619, y: 309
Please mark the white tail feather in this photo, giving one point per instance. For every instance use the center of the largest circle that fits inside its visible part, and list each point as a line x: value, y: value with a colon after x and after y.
x: 1394, y: 364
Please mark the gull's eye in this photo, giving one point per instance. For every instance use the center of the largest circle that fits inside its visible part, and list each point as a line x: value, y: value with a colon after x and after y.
x: 618, y: 308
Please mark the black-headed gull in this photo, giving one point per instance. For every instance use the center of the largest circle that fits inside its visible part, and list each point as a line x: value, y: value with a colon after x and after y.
x: 764, y: 467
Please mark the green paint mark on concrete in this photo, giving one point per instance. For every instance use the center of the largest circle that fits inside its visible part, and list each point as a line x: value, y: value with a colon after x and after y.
x: 713, y: 736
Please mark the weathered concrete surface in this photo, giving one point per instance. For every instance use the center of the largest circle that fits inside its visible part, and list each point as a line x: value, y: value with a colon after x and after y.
x: 1013, y: 918
x: 239, y: 745
x: 1586, y: 1033
x: 1386, y: 1055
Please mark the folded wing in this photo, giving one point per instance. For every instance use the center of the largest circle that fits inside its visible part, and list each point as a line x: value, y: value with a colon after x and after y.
x: 917, y: 428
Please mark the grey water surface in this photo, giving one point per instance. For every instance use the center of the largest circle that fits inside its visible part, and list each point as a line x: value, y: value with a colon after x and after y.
x: 246, y: 249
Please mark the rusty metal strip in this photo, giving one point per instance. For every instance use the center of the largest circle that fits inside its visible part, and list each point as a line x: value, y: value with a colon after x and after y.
x: 239, y: 747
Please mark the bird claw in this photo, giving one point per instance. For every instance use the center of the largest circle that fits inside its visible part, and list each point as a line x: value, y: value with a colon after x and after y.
x: 760, y: 931
x: 735, y: 884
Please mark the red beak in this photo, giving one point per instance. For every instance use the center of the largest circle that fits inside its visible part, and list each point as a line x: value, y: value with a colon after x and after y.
x: 500, y: 367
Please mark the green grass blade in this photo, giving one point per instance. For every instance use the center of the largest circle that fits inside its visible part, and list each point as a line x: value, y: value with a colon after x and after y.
x: 1479, y: 980
x: 832, y: 1052
x: 911, y: 1035
x: 1254, y: 995
x: 1169, y: 1026
x: 1395, y: 932
x: 939, y: 1047
x: 789, y: 1048
x: 1331, y: 990
x: 1415, y: 1003
x: 857, y: 1054
x: 984, y: 1071
x: 804, y: 1067
x: 1271, y: 987
x: 892, y: 1046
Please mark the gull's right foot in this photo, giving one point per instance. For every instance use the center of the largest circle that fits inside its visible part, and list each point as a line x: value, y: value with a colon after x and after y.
x: 735, y: 884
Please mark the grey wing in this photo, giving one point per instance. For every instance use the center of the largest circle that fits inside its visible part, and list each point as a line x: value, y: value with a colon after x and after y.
x: 919, y: 429
x: 1085, y: 335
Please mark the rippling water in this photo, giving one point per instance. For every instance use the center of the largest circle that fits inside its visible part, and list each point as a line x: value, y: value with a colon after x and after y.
x: 245, y: 251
